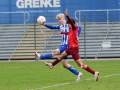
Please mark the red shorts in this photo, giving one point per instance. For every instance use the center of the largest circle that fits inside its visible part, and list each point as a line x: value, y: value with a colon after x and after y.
x: 74, y: 52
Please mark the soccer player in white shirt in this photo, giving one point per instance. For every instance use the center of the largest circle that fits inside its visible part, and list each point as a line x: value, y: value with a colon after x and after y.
x: 63, y: 27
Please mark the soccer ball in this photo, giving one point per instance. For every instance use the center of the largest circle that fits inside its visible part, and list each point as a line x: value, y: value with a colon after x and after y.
x: 41, y: 19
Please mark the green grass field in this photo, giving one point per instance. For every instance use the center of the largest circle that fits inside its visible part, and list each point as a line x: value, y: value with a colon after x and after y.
x: 36, y: 76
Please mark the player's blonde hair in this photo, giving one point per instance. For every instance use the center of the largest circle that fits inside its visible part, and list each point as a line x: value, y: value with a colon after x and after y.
x: 60, y: 15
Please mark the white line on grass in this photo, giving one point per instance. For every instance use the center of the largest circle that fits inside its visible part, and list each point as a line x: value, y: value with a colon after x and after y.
x: 62, y: 84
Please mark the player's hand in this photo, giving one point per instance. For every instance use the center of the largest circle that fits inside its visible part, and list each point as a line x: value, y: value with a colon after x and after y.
x: 66, y: 12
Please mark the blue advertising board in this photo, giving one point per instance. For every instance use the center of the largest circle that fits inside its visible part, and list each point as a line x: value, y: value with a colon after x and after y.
x: 50, y: 8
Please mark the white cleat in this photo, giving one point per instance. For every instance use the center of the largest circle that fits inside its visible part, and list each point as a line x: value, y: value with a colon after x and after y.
x: 49, y: 64
x: 96, y: 76
x: 79, y: 77
x: 37, y: 55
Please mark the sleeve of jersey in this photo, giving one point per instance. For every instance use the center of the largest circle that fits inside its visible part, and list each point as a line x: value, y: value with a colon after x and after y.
x: 73, y: 25
x: 52, y: 27
x: 66, y: 33
x: 79, y: 30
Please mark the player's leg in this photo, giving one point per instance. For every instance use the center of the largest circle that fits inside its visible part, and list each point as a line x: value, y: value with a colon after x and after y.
x: 47, y: 55
x: 50, y: 55
x: 61, y: 49
x: 77, y: 59
x: 62, y: 55
x: 72, y: 69
x: 69, y: 67
x: 87, y: 68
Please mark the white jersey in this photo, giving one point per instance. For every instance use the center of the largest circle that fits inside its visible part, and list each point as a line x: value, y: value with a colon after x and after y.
x: 64, y: 28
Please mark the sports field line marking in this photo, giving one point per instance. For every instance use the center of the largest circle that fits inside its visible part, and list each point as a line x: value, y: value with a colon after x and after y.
x: 62, y: 84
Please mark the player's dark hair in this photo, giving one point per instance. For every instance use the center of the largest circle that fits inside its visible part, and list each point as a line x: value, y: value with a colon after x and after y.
x: 68, y: 22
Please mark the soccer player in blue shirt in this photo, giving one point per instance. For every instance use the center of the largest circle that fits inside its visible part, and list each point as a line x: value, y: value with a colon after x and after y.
x: 63, y: 27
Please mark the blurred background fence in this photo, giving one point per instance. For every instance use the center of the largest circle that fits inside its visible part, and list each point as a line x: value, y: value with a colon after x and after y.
x: 19, y: 37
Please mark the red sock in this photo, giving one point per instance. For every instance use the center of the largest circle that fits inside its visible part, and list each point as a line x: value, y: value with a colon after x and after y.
x: 90, y: 70
x: 55, y: 62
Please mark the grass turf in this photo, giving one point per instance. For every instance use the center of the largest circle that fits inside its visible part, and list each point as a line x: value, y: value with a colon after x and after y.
x: 36, y: 76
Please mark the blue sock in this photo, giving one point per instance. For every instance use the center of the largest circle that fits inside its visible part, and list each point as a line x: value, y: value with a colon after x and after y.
x: 73, y: 70
x: 46, y: 56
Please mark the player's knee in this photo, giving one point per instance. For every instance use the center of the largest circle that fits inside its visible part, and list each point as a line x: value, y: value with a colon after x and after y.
x: 60, y: 57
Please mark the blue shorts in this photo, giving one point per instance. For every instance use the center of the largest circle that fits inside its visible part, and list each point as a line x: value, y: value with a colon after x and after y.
x: 62, y: 48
